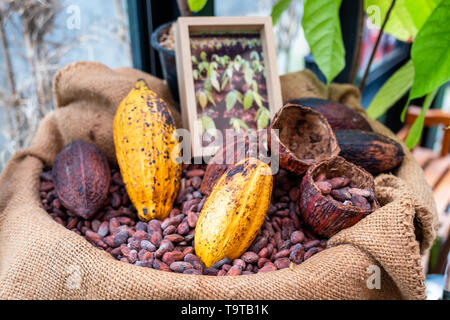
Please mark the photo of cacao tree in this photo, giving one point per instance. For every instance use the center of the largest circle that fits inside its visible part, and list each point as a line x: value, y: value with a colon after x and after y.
x: 230, y: 84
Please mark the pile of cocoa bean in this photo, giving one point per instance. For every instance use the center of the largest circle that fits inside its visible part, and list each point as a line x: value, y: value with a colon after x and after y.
x: 168, y: 245
x: 342, y: 190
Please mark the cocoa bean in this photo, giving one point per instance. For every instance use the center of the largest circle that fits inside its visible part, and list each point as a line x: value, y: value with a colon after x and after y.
x: 282, y: 263
x: 312, y: 243
x: 121, y: 237
x: 361, y: 202
x: 192, y: 219
x: 195, y: 173
x: 159, y: 265
x: 267, y: 268
x: 339, y: 182
x: 176, y: 238
x: 147, y: 245
x: 169, y: 230
x: 341, y: 194
x: 297, y: 253
x: 324, y: 187
x: 220, y: 263
x: 310, y: 253
x: 297, y: 237
x: 192, y: 271
x: 235, y: 271
x: 250, y: 257
x: 180, y: 266
x: 239, y: 262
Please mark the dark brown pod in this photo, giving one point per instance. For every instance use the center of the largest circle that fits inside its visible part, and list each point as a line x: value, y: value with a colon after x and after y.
x: 82, y: 178
x: 370, y: 150
x: 226, y: 157
x: 339, y: 116
x: 304, y: 138
x: 321, y: 213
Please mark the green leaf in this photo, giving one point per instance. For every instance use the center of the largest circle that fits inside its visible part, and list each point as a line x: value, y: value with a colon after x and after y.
x: 394, y: 88
x: 278, y: 9
x: 255, y: 86
x: 195, y: 74
x: 196, y: 5
x: 257, y: 98
x: 238, y: 124
x: 248, y: 100
x: 263, y: 119
x: 430, y: 52
x: 202, y: 98
x: 215, y: 83
x: 210, y: 98
x: 417, y: 127
x: 239, y: 96
x: 207, y: 124
x: 248, y: 75
x: 254, y: 55
x: 406, y: 18
x: 231, y: 100
x: 203, y: 55
x: 207, y: 85
x: 323, y: 33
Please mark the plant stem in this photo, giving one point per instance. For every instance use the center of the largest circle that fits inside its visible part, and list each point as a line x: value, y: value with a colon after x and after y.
x: 366, y: 72
x: 357, y: 49
x: 184, y: 8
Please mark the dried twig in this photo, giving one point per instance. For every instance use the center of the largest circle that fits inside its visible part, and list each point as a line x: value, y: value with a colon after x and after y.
x: 369, y: 64
x: 357, y: 49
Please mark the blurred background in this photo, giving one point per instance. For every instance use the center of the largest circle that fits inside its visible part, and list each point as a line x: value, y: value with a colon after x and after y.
x: 37, y: 37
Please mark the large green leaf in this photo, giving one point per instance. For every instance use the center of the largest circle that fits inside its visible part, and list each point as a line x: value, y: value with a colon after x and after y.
x: 323, y: 33
x: 207, y: 125
x: 248, y: 100
x: 417, y: 127
x: 397, y: 85
x: 278, y: 10
x: 196, y: 5
x: 430, y: 52
x: 263, y: 119
x: 231, y: 100
x: 406, y: 18
x: 202, y: 98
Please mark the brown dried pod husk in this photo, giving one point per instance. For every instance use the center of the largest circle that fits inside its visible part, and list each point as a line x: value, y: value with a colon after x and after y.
x: 82, y: 178
x: 324, y: 215
x: 304, y: 138
x: 226, y: 157
x: 339, y: 116
x: 371, y: 151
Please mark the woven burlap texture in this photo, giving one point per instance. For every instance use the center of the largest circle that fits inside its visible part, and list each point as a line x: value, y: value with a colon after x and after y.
x: 40, y: 259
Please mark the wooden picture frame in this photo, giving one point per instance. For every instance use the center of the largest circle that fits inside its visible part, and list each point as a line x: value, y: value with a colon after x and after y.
x: 184, y: 27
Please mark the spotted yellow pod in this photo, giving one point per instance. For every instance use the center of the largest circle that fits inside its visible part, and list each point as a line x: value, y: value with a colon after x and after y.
x: 234, y: 212
x: 146, y: 150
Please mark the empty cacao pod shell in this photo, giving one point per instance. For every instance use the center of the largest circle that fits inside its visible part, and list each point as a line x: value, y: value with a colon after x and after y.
x: 82, y: 178
x: 370, y: 150
x: 339, y: 116
x: 304, y: 137
x: 324, y: 215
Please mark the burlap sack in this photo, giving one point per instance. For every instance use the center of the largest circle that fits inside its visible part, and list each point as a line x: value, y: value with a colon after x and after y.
x: 40, y: 259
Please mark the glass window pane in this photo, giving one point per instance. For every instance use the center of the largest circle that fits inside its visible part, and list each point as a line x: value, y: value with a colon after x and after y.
x: 37, y: 38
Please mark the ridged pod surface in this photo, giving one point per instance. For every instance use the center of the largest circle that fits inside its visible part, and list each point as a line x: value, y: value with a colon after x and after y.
x: 234, y: 212
x: 144, y: 138
x: 82, y: 178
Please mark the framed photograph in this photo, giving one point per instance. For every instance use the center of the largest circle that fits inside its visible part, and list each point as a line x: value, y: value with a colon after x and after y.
x: 227, y: 77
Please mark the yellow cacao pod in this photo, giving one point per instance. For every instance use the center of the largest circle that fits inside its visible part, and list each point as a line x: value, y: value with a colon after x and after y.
x: 234, y: 212
x: 144, y: 138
